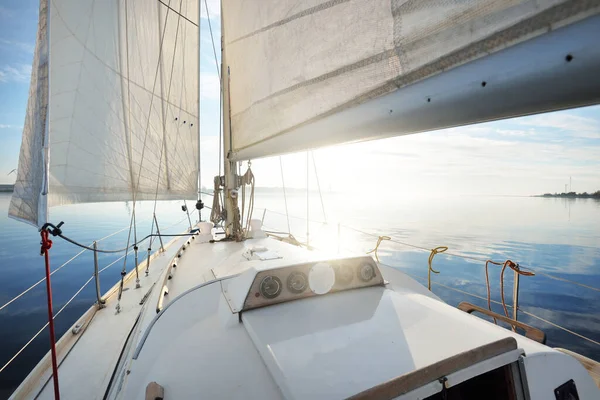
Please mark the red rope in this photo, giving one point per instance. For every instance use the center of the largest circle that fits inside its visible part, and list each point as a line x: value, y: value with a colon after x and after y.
x: 47, y: 245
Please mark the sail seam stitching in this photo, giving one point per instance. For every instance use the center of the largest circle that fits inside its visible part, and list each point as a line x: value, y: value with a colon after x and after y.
x: 301, y: 14
x: 543, y: 20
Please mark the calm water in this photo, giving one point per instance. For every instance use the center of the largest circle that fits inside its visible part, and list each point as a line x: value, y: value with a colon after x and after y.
x: 556, y: 236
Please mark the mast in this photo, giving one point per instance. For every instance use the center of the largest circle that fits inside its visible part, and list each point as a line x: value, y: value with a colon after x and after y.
x: 43, y: 196
x: 230, y: 194
x: 199, y: 198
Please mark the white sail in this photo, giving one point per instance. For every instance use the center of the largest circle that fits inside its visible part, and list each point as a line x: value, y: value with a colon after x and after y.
x: 119, y: 110
x: 294, y: 63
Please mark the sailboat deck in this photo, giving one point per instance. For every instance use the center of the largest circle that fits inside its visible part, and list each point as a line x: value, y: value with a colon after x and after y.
x: 90, y: 357
x: 308, y: 348
x: 298, y: 349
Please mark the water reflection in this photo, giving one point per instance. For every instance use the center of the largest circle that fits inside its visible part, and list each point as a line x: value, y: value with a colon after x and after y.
x: 558, y: 236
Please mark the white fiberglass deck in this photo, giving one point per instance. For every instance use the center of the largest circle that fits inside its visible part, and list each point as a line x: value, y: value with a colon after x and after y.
x: 331, y: 346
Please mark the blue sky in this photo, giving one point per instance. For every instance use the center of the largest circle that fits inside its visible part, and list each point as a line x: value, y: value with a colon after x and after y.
x: 519, y: 156
x: 18, y: 25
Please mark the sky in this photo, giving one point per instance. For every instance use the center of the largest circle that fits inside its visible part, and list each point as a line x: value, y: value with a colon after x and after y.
x: 521, y: 156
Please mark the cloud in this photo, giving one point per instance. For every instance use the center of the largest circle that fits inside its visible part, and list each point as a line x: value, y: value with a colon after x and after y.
x: 23, y: 46
x: 15, y: 73
x: 514, y: 132
x: 578, y: 126
x: 5, y: 126
x: 486, y: 159
x: 209, y: 86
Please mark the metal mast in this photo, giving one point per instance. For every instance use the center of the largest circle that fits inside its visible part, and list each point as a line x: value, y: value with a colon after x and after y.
x: 199, y: 204
x: 230, y: 194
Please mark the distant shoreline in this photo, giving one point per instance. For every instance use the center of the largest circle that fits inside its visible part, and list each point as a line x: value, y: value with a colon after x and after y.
x: 572, y: 195
x: 6, y: 188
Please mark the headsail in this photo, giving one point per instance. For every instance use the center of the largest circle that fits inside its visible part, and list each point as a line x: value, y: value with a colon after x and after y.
x: 114, y: 93
x: 295, y: 65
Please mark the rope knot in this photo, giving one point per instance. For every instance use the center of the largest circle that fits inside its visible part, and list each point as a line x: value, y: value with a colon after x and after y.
x: 379, y: 240
x: 46, y: 242
x: 434, y: 251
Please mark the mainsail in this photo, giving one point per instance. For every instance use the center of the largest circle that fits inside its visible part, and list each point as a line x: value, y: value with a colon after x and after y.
x: 113, y: 105
x: 293, y: 66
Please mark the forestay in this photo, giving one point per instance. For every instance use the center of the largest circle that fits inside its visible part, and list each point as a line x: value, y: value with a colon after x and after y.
x: 113, y: 100
x: 293, y: 63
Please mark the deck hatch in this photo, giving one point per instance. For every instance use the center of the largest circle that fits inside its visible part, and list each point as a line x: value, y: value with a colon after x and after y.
x: 420, y: 377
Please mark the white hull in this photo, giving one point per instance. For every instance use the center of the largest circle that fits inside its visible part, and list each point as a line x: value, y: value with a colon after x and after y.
x: 331, y: 346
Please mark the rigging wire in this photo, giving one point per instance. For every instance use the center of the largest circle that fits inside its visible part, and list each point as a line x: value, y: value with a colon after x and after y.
x: 213, y: 42
x: 285, y: 197
x: 162, y: 147
x: 135, y: 249
x: 318, y: 185
x: 558, y: 326
x: 136, y: 188
x: 128, y: 136
x: 46, y: 324
x: 483, y: 260
x: 67, y: 263
x: 217, y: 207
x: 499, y: 303
x: 40, y: 281
x: 113, y: 263
x: 307, y: 204
x: 150, y: 236
x: 72, y: 298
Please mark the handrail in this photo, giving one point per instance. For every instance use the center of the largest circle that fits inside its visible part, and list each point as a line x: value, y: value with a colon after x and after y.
x: 530, y: 332
x: 95, y: 275
x: 164, y: 309
x: 68, y: 262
